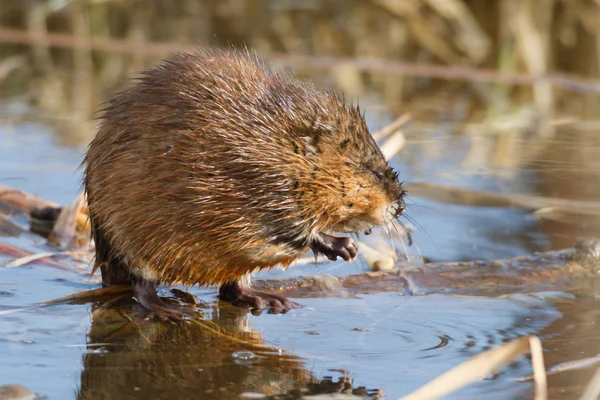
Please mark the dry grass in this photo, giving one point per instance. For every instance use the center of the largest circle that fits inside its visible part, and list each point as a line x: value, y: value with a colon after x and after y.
x: 489, y: 361
x: 361, y: 45
x: 481, y: 366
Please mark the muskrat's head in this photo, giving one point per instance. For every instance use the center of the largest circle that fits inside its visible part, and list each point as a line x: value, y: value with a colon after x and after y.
x: 362, y: 190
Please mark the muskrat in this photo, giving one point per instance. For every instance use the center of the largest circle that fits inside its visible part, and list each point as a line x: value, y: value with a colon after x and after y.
x: 214, y: 165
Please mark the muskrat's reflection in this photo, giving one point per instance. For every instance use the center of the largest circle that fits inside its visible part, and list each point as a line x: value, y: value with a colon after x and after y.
x: 212, y: 357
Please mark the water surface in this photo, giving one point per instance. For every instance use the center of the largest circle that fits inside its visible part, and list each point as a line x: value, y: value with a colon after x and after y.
x: 389, y: 341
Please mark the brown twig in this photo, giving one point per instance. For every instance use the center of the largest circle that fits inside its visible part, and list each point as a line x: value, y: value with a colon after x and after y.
x: 65, y: 232
x: 23, y: 200
x: 11, y: 251
x: 90, y: 295
x: 392, y: 127
x: 453, y: 195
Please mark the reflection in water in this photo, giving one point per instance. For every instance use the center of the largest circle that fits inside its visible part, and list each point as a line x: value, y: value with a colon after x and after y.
x: 568, y: 167
x: 399, y: 342
x: 384, y: 340
x: 574, y: 337
x: 218, y: 357
x: 387, y: 340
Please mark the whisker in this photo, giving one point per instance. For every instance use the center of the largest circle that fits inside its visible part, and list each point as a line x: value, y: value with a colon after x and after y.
x: 405, y: 249
x: 411, y: 243
x: 401, y: 238
x: 407, y: 232
x: 405, y: 229
x: 418, y: 226
x: 398, y: 232
x: 387, y: 229
x: 412, y: 287
x: 419, y: 206
x: 420, y: 255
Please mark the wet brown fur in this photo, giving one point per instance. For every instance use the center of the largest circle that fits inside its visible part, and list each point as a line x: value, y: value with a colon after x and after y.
x: 213, y: 166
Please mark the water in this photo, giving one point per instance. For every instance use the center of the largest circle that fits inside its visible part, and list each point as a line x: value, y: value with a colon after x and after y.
x: 381, y: 341
x: 387, y: 341
x: 31, y: 160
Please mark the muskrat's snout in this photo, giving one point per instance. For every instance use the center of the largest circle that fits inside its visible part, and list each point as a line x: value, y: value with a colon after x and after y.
x: 400, y: 210
x: 395, y: 192
x: 399, y: 207
x: 377, y: 199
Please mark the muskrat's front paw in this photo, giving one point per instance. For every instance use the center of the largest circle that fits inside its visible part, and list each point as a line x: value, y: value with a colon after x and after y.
x: 334, y: 247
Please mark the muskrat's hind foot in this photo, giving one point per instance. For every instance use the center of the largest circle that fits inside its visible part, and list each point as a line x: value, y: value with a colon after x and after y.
x: 334, y: 247
x: 145, y: 293
x: 243, y: 296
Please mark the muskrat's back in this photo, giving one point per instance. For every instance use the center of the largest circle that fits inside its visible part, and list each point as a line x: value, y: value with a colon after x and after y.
x: 213, y: 165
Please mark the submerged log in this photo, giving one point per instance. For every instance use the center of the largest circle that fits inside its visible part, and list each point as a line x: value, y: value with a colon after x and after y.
x: 559, y: 270
x: 548, y: 271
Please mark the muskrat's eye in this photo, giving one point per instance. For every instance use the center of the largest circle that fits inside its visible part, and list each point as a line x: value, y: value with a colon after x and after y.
x: 377, y: 174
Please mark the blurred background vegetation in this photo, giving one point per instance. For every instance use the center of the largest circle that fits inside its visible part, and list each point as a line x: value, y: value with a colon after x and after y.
x: 524, y: 64
x: 503, y: 97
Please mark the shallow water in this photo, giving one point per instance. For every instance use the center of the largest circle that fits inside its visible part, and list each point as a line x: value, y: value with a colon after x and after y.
x: 383, y: 341
x: 387, y: 341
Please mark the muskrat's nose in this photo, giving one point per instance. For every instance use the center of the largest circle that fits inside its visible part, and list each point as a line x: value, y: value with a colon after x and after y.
x: 400, y: 208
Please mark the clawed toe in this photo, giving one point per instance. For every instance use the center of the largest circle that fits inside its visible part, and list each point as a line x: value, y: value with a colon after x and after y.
x: 242, y: 296
x: 333, y: 247
x: 260, y: 301
x: 275, y: 305
x: 145, y: 293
